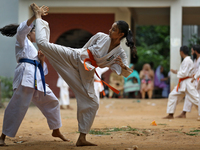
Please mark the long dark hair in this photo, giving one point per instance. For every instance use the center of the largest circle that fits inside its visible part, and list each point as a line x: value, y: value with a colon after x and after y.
x: 9, y: 30
x: 124, y: 28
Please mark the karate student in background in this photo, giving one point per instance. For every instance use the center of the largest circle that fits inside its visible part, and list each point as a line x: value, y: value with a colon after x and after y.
x: 196, y: 77
x: 64, y: 94
x: 98, y: 84
x: 196, y: 59
x: 24, y: 84
x: 77, y: 66
x: 185, y: 87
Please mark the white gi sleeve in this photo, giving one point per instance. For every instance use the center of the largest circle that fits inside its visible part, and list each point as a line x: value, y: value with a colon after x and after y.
x: 92, y: 40
x: 45, y: 69
x: 184, y: 69
x: 22, y: 32
x: 197, y: 75
x: 118, y: 69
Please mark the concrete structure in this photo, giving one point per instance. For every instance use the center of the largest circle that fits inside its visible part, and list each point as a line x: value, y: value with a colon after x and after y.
x: 175, y: 13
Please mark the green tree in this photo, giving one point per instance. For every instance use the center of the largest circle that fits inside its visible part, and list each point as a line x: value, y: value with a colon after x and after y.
x: 153, y: 44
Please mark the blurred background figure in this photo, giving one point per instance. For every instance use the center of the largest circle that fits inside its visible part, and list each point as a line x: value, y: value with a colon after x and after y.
x: 117, y: 82
x: 98, y: 85
x: 161, y: 82
x: 64, y: 94
x: 147, y: 81
x: 132, y: 84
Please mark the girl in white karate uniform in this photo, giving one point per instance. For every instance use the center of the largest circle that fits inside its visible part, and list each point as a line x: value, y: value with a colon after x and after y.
x: 69, y: 63
x: 23, y: 84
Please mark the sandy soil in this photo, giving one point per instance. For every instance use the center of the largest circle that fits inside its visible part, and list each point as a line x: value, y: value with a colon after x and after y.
x: 174, y: 134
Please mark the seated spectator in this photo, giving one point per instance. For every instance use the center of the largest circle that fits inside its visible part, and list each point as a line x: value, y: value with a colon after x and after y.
x: 132, y: 84
x: 147, y: 84
x: 160, y: 81
x: 117, y: 82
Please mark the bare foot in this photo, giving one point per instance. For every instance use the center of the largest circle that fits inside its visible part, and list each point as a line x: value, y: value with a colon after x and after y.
x: 181, y: 116
x: 69, y: 107
x: 62, y: 107
x: 56, y: 133
x: 84, y: 143
x: 168, y: 117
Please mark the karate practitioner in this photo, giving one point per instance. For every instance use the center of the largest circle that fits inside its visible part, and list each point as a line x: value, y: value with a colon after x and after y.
x: 23, y: 83
x: 187, y: 104
x: 185, y: 87
x: 101, y: 50
x: 64, y: 93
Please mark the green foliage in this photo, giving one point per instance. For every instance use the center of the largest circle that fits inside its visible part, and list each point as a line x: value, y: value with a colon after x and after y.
x: 106, y: 131
x: 153, y: 44
x: 194, y: 40
x: 6, y: 87
x: 98, y: 132
x: 128, y: 128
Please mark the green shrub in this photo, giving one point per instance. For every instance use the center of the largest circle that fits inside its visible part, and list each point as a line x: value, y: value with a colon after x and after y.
x: 6, y: 87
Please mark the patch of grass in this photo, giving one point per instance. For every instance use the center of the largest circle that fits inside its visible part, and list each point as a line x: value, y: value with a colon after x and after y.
x: 195, y: 130
x: 107, y: 131
x: 191, y: 134
x: 98, y: 132
x: 128, y: 128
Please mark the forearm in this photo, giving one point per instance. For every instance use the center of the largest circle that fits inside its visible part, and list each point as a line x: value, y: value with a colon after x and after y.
x: 42, y: 63
x: 30, y: 20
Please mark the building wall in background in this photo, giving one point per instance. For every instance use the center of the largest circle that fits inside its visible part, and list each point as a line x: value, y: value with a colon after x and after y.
x: 8, y: 15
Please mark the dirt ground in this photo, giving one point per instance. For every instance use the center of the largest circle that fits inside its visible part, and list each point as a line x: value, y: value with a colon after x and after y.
x: 130, y: 115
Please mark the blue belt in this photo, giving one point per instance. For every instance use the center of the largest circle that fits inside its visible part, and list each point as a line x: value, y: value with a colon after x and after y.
x: 36, y: 64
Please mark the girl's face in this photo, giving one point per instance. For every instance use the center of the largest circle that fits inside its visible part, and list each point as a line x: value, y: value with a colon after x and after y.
x: 114, y: 32
x: 32, y: 36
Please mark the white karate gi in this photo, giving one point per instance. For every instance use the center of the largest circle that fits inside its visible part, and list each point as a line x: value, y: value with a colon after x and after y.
x: 186, y: 87
x: 24, y: 92
x: 64, y: 91
x: 187, y: 104
x: 98, y: 85
x: 68, y: 62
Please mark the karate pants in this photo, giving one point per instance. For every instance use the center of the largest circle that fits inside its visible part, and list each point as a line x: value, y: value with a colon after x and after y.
x: 66, y: 61
x: 64, y: 96
x: 188, y: 105
x: 174, y: 97
x: 18, y: 106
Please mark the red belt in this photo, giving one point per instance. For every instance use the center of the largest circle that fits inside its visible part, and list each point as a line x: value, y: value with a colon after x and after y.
x: 180, y: 80
x: 93, y: 62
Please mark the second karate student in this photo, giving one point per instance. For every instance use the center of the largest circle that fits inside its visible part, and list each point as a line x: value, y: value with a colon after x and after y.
x: 185, y: 87
x: 29, y: 84
x: 77, y: 66
x: 195, y: 52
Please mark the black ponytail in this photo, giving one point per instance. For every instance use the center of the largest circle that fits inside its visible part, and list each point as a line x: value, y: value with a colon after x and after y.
x: 124, y: 28
x: 9, y: 30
